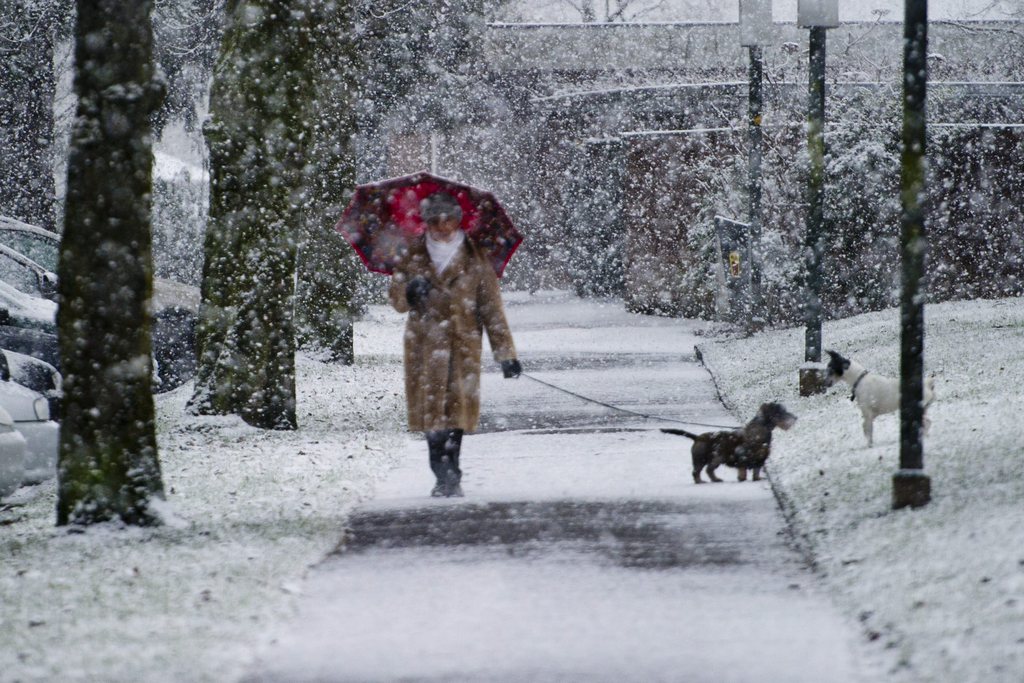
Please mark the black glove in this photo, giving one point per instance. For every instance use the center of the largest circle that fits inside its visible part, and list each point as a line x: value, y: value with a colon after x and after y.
x: 511, y: 368
x: 416, y: 292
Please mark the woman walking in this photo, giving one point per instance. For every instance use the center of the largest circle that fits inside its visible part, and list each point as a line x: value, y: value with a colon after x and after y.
x: 450, y: 291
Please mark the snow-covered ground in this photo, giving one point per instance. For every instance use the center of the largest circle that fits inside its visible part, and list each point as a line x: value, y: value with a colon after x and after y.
x: 582, y: 550
x: 254, y: 510
x: 939, y: 590
x: 941, y: 586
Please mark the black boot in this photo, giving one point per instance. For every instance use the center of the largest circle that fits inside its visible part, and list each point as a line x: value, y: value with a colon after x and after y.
x: 438, y: 465
x: 453, y: 476
x: 444, y: 446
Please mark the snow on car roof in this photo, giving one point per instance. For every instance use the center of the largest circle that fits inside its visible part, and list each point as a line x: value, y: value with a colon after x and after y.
x: 26, y: 305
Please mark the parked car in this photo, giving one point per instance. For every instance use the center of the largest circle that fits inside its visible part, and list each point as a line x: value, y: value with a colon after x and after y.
x: 30, y: 412
x: 12, y: 456
x: 28, y: 264
x: 28, y: 324
x: 26, y: 275
x: 39, y: 376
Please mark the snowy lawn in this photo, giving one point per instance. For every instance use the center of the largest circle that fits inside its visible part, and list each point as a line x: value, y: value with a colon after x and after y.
x: 942, y: 586
x: 254, y: 509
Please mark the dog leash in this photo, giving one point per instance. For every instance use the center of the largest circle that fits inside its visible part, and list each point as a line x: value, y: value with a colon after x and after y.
x: 646, y: 416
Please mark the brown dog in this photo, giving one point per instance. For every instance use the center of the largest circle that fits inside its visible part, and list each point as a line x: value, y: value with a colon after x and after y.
x: 744, y: 448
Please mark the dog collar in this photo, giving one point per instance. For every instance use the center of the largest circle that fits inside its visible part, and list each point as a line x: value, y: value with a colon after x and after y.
x: 853, y: 389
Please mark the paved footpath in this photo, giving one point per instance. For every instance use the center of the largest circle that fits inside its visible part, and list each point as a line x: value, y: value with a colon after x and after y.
x: 582, y: 550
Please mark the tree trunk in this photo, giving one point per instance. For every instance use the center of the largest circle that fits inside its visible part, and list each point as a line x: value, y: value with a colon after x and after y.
x: 257, y: 135
x: 331, y: 277
x: 108, y: 467
x: 27, y: 88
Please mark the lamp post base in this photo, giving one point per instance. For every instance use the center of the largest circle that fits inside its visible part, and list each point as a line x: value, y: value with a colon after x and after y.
x: 911, y: 488
x: 812, y: 381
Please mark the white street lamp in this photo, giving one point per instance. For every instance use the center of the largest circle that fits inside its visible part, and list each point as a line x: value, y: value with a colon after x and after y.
x: 755, y: 22
x: 817, y: 13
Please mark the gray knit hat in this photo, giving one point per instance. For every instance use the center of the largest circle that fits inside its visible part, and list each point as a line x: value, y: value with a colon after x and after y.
x: 440, y: 205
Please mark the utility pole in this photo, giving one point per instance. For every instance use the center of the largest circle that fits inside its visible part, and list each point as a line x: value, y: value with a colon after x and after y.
x: 911, y: 487
x: 755, y: 31
x: 814, y: 247
x: 818, y: 16
x: 755, y: 154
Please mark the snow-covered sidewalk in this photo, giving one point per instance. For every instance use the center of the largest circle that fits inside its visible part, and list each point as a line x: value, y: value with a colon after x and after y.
x: 582, y: 551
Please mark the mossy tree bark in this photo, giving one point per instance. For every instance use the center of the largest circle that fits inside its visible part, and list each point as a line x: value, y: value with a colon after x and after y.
x: 28, y: 83
x: 108, y: 467
x: 331, y: 277
x: 258, y: 134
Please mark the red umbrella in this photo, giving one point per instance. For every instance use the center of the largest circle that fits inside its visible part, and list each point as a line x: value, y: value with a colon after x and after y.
x: 383, y: 217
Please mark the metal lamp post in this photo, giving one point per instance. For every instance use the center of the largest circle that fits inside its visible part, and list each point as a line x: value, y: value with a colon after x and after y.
x: 817, y: 15
x: 755, y: 31
x: 911, y: 487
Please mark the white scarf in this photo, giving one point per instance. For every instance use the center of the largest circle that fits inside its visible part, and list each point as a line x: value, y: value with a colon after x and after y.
x: 442, y: 253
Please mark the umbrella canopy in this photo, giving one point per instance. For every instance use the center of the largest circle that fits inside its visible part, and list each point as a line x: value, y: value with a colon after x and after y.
x: 384, y: 217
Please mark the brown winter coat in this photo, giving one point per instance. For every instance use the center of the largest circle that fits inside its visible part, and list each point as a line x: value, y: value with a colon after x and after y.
x: 443, y: 344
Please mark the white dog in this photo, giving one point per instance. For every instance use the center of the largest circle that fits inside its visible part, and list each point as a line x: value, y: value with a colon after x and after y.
x: 874, y: 394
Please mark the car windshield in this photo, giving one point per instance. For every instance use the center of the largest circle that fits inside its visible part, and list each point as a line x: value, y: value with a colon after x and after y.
x: 19, y: 276
x: 43, y: 250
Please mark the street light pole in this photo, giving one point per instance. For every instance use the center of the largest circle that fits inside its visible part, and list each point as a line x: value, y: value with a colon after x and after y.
x: 755, y: 153
x: 813, y: 246
x: 818, y: 16
x: 911, y: 487
x: 755, y: 31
